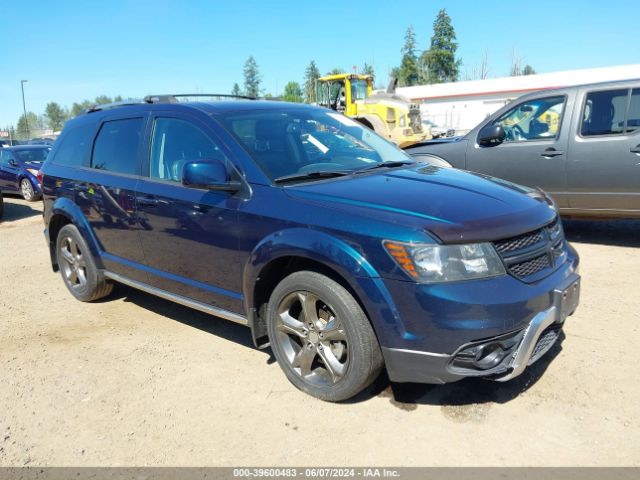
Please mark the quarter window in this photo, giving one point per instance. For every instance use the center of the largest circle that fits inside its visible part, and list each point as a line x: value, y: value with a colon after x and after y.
x: 116, y: 147
x: 176, y: 142
x: 604, y: 112
x: 75, y: 146
x: 537, y: 119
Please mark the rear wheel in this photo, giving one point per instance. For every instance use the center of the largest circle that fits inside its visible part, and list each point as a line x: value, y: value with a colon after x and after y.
x: 27, y: 191
x: 321, y: 338
x: 78, y: 269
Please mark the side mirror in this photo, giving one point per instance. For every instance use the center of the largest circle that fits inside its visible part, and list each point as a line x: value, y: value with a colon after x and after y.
x: 13, y: 163
x: 491, y: 135
x: 209, y: 175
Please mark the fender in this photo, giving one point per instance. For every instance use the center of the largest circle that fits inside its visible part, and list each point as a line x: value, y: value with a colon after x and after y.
x: 431, y: 159
x: 67, y: 208
x: 335, y: 254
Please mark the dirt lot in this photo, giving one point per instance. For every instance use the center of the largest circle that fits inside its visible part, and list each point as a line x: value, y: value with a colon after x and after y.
x: 135, y: 380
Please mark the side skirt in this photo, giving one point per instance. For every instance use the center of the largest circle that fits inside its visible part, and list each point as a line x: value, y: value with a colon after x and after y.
x: 187, y: 302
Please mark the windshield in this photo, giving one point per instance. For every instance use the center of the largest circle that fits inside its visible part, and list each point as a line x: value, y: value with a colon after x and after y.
x: 297, y: 141
x: 32, y: 154
x: 358, y: 90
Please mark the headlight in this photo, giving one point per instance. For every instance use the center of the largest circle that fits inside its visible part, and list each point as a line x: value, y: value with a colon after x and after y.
x: 33, y: 171
x: 446, y: 263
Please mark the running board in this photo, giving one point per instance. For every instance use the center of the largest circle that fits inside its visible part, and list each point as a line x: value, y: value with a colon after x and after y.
x: 187, y: 302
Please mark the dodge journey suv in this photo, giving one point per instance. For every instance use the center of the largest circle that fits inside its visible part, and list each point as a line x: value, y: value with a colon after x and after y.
x: 332, y: 245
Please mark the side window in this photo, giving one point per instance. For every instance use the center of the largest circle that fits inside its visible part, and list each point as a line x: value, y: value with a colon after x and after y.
x: 75, y: 146
x: 116, y: 147
x: 537, y: 119
x: 603, y: 112
x: 633, y: 117
x: 176, y: 142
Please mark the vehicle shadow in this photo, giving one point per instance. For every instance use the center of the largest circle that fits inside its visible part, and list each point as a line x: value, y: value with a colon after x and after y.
x: 202, y: 321
x: 406, y: 396
x: 470, y: 392
x: 15, y: 209
x: 622, y: 233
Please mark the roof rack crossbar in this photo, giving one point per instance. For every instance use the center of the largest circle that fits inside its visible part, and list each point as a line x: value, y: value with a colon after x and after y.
x: 173, y: 98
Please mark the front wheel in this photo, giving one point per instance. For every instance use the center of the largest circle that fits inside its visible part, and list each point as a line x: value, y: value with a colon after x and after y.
x: 321, y: 337
x: 27, y: 191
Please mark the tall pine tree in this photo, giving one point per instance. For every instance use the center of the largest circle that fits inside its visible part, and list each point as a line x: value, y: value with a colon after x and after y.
x: 251, y: 78
x: 311, y: 76
x: 440, y: 59
x: 408, y: 73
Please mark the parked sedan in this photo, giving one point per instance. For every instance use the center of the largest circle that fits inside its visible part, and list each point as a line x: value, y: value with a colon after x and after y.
x: 438, y: 131
x: 19, y: 170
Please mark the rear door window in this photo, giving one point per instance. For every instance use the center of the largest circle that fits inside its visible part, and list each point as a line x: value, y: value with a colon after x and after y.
x: 604, y: 112
x: 117, y: 145
x: 633, y: 117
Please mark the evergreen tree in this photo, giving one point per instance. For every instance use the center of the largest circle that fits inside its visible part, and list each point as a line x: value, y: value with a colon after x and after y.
x: 368, y: 70
x: 311, y: 76
x: 251, y: 78
x: 408, y: 74
x: 440, y: 60
x: 236, y: 90
x: 528, y: 70
x: 292, y: 93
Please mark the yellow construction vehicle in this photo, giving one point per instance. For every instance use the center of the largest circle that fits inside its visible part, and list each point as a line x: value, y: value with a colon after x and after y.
x: 388, y: 114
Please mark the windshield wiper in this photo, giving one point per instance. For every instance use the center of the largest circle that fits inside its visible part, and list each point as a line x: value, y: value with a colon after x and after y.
x: 389, y: 164
x: 312, y: 175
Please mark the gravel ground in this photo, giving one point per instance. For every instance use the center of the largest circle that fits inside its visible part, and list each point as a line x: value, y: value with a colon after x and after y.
x: 135, y: 380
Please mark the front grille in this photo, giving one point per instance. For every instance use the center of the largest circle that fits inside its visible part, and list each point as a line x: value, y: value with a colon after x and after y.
x: 519, y: 242
x: 528, y: 254
x: 545, y: 342
x: 529, y: 267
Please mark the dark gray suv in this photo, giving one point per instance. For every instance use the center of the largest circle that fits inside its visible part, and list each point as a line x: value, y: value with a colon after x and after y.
x: 581, y: 144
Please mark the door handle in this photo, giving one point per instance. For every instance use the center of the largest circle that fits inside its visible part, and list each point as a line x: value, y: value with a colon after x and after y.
x: 552, y: 152
x: 147, y: 201
x: 635, y: 149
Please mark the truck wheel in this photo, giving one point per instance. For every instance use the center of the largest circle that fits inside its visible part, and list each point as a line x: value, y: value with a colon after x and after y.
x: 321, y: 338
x: 78, y: 269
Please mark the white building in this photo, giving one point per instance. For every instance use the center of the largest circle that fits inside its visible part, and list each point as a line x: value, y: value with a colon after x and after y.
x: 462, y: 105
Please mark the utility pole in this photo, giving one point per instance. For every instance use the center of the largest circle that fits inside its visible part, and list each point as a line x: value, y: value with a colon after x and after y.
x: 24, y: 108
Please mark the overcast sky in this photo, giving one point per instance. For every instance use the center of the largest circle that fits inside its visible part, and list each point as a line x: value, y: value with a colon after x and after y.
x: 72, y: 50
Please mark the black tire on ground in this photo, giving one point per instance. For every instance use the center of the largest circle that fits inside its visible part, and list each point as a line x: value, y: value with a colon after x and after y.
x: 77, y: 267
x: 27, y: 191
x: 338, y: 316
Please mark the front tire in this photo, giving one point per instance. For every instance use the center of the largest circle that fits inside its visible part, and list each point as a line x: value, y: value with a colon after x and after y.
x: 77, y: 267
x: 27, y: 191
x: 321, y: 337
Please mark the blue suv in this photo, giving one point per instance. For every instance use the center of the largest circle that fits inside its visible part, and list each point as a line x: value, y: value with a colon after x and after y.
x: 332, y: 245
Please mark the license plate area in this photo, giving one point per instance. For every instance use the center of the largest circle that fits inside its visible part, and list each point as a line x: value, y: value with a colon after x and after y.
x: 566, y: 299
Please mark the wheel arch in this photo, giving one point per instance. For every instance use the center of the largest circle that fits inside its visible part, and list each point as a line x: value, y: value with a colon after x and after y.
x: 64, y: 212
x: 283, y: 253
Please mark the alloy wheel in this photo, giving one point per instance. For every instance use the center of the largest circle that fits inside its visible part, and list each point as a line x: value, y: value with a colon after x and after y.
x: 312, y: 338
x: 26, y: 189
x: 72, y: 264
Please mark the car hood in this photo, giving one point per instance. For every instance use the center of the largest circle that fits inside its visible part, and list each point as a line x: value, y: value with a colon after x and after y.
x: 434, y: 141
x: 453, y: 205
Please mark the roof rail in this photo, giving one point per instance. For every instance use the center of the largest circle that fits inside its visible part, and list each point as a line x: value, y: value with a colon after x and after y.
x: 175, y: 98
x: 107, y: 106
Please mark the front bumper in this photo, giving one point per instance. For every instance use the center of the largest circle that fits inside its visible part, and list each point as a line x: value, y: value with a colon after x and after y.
x: 500, y: 358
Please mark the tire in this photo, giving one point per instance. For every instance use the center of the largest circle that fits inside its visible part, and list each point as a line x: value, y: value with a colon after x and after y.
x: 27, y: 191
x: 77, y: 267
x: 335, y: 355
